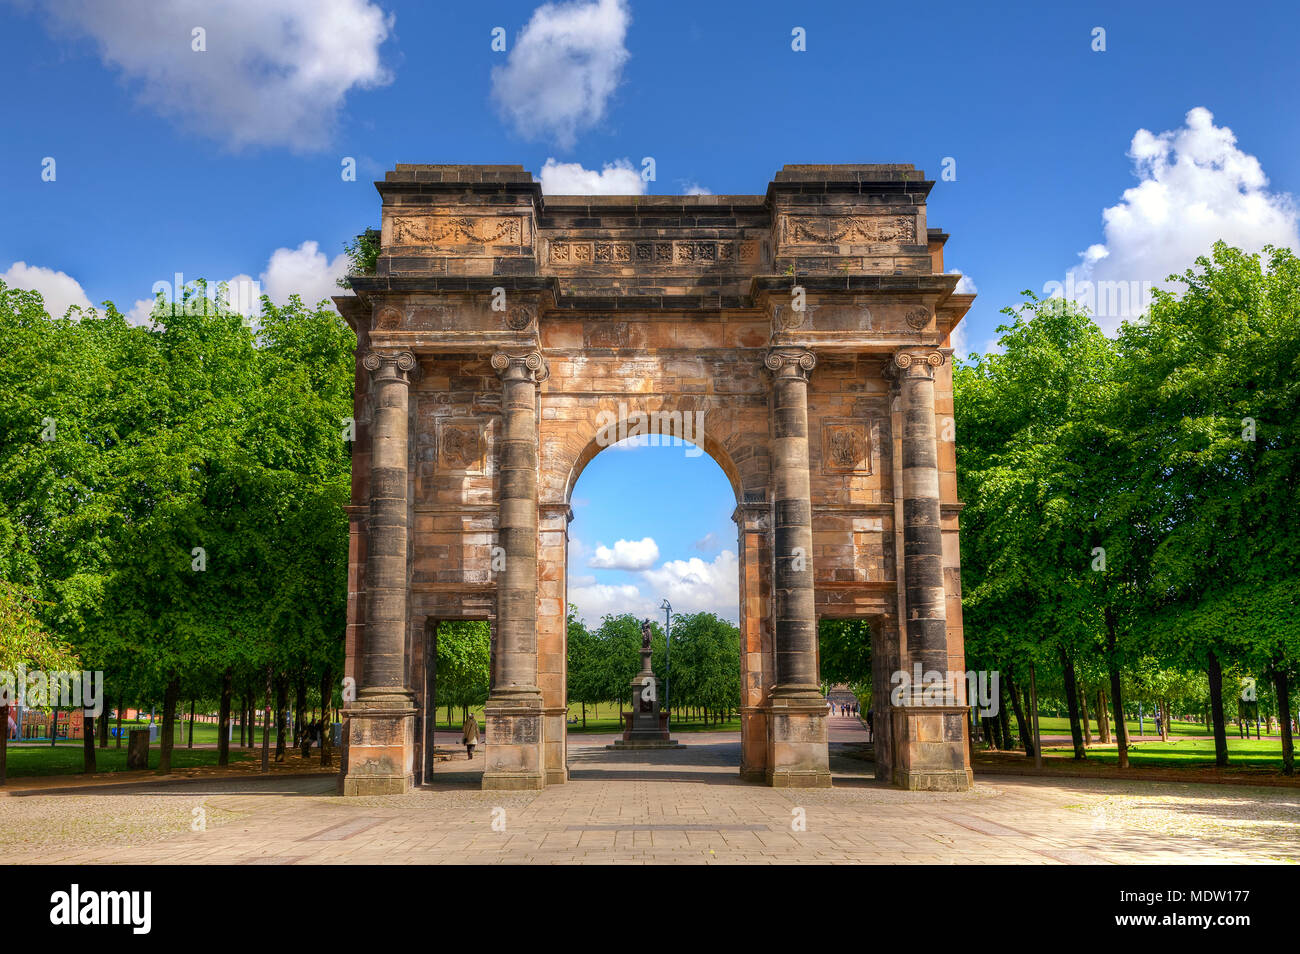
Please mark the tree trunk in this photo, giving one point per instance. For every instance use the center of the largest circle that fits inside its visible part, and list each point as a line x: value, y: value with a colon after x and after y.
x: 1072, y: 700
x: 1164, y: 720
x: 1284, y: 720
x: 281, y: 705
x: 102, y: 725
x: 300, y: 704
x: 1103, y: 719
x: 170, y: 698
x: 326, y: 726
x: 266, y: 725
x: 223, y: 720
x: 4, y: 744
x: 1215, y: 673
x: 1116, y: 698
x: 88, y: 765
x: 190, y: 744
x: 584, y: 715
x: 1033, y: 701
x: 243, y: 719
x: 1026, y: 737
x: 119, y: 721
x: 1004, y: 717
x: 1083, y: 712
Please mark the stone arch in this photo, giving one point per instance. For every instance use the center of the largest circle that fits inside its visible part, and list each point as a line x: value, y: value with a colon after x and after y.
x: 474, y: 423
x: 735, y: 439
x: 678, y: 428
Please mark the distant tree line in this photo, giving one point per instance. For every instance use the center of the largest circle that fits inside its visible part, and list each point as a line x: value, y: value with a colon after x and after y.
x: 704, y: 680
x: 1129, y: 526
x: 171, y: 502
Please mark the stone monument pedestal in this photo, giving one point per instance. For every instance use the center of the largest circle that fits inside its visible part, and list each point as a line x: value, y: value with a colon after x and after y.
x: 646, y: 727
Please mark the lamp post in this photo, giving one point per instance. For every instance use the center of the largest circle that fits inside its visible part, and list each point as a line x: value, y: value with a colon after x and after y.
x: 668, y: 660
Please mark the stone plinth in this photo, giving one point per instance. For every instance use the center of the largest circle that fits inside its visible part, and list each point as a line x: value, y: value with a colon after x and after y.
x: 380, y: 747
x: 647, y: 726
x: 798, y: 755
x: 930, y: 748
x: 513, y: 740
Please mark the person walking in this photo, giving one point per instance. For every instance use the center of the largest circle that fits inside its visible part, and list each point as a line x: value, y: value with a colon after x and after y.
x: 870, y: 731
x: 469, y: 734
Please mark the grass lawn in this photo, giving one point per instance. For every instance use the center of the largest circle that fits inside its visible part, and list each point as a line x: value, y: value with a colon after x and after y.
x: 204, y: 734
x: 1185, y: 753
x: 63, y: 759
x: 1060, y: 725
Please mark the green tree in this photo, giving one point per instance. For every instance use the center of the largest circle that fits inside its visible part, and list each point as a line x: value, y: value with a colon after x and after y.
x: 463, y: 660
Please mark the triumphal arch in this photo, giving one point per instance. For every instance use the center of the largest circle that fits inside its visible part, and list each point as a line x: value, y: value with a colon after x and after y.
x: 803, y: 337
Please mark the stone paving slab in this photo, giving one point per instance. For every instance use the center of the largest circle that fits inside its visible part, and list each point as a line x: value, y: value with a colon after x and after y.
x: 660, y: 807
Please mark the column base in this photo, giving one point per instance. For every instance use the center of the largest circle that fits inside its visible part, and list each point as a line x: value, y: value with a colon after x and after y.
x: 797, y: 752
x: 753, y: 743
x: 555, y: 744
x: 380, y: 740
x: 513, y: 748
x: 931, y: 753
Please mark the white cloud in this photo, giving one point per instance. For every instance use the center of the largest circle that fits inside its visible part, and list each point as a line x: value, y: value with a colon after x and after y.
x: 600, y: 599
x: 570, y: 178
x: 1195, y: 187
x: 965, y: 284
x: 272, y: 74
x: 694, y: 586
x: 696, y: 189
x: 708, y: 543
x: 59, y: 290
x: 304, y: 271
x: 562, y: 68
x: 626, y: 555
x: 958, y: 342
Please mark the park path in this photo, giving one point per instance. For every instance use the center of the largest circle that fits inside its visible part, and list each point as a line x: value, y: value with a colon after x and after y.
x: 667, y: 806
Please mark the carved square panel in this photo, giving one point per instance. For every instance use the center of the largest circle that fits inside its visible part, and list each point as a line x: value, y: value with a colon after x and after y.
x: 462, y: 446
x: 846, y: 447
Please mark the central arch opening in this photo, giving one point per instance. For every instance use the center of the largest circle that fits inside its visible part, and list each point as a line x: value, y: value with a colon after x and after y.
x: 653, y: 540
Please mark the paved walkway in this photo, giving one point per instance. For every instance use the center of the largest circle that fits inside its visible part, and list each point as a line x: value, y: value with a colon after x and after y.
x: 669, y: 806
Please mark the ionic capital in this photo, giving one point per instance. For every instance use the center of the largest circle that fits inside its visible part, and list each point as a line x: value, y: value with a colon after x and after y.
x: 524, y: 366
x: 391, y: 365
x: 913, y: 364
x: 786, y: 363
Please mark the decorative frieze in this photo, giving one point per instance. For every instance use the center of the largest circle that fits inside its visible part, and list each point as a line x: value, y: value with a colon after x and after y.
x: 848, y: 230
x: 457, y: 230
x: 684, y: 253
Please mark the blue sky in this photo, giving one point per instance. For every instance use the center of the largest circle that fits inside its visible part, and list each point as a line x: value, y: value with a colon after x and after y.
x: 226, y: 162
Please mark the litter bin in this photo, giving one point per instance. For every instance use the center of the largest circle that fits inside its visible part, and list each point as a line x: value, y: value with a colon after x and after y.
x: 137, y: 749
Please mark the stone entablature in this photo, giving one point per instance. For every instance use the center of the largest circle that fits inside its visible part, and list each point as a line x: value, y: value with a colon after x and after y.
x: 793, y: 336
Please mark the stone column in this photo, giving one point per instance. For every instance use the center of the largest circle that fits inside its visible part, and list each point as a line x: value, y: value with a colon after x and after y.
x: 929, y: 734
x: 381, y: 722
x: 797, y: 731
x: 513, y: 747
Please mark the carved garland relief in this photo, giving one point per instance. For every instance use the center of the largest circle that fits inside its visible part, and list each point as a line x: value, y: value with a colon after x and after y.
x: 458, y: 230
x: 849, y: 230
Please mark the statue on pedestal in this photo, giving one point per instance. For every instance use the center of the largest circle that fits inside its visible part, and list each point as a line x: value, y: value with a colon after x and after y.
x: 645, y: 726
